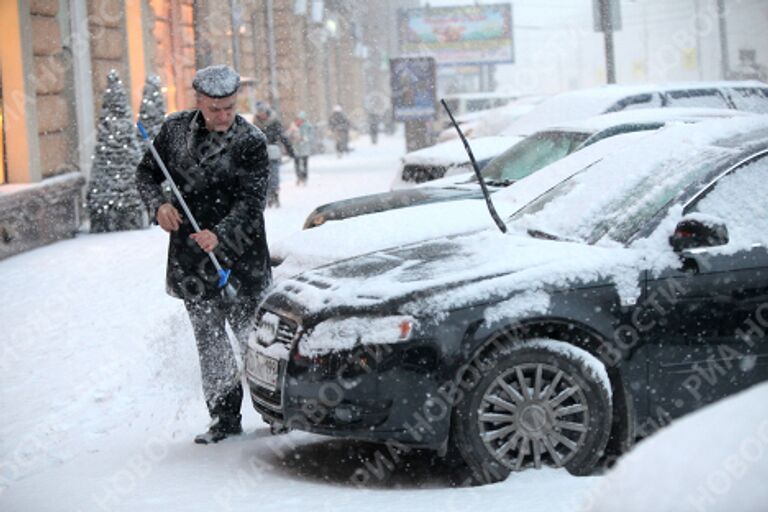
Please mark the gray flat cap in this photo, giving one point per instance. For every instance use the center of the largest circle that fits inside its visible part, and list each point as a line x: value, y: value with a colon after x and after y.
x: 216, y: 81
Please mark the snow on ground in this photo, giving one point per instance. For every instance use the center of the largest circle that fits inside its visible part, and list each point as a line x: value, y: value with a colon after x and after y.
x: 100, y: 391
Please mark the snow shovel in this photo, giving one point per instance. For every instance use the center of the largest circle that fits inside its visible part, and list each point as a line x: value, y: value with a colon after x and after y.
x: 229, y: 291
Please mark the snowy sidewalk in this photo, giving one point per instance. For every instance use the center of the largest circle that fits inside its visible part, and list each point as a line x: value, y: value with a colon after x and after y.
x: 100, y: 391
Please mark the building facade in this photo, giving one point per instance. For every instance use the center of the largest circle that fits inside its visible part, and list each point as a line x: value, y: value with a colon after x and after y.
x: 299, y: 55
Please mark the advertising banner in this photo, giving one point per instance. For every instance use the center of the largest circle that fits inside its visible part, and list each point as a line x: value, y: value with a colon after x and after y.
x: 477, y: 34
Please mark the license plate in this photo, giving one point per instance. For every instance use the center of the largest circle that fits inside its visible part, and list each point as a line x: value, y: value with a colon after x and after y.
x: 265, y: 370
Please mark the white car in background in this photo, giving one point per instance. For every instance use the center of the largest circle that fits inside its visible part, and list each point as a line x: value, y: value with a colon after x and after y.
x: 438, y: 161
x: 486, y: 123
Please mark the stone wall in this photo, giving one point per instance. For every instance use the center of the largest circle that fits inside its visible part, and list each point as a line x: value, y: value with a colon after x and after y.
x: 35, y: 215
x: 57, y: 151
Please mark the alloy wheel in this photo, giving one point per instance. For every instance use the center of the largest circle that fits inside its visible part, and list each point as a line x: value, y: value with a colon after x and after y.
x: 533, y: 414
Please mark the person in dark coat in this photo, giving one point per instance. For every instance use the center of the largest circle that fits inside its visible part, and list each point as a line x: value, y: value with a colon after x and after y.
x: 339, y: 125
x: 219, y: 162
x: 269, y: 122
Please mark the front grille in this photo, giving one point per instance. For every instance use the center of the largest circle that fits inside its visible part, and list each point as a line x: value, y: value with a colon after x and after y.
x: 272, y: 328
x: 286, y: 331
x: 419, y: 173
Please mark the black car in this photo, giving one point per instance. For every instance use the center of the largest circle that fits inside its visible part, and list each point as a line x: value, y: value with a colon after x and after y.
x: 630, y: 294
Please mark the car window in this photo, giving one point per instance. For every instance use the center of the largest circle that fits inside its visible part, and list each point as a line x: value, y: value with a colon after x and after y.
x: 739, y: 200
x: 638, y: 101
x: 531, y: 154
x: 710, y: 98
x: 479, y: 104
x: 750, y: 99
x: 596, y: 212
x: 453, y: 104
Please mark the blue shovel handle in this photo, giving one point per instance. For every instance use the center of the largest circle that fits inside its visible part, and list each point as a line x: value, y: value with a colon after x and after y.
x: 142, y: 130
x: 223, y: 277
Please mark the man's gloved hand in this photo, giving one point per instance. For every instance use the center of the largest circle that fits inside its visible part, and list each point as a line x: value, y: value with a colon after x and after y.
x: 206, y: 239
x: 168, y: 217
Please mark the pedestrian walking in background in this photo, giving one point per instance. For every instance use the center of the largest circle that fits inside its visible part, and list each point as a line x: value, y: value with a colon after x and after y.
x: 339, y: 124
x: 219, y: 162
x: 373, y: 127
x: 301, y: 133
x: 269, y: 123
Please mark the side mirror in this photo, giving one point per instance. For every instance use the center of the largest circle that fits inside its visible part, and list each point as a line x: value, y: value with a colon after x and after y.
x: 699, y: 231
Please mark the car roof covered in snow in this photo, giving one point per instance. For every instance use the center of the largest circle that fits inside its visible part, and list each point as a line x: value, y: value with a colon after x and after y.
x: 452, y: 152
x: 649, y: 115
x: 583, y: 103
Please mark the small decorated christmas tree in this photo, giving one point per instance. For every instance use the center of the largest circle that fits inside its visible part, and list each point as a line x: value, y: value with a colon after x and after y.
x: 113, y: 200
x: 152, y: 111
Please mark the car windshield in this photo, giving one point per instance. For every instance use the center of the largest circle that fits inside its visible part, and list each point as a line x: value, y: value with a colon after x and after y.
x: 751, y: 99
x: 603, y: 202
x: 696, y: 98
x: 532, y: 154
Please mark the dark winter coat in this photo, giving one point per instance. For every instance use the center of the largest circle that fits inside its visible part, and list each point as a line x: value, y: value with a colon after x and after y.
x: 338, y: 122
x: 223, y: 179
x: 273, y: 129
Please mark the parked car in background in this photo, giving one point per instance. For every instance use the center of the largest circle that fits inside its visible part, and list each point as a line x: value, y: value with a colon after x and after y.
x: 336, y: 241
x: 487, y: 123
x: 750, y: 96
x: 471, y: 102
x: 449, y: 158
x: 520, y: 160
x: 549, y: 345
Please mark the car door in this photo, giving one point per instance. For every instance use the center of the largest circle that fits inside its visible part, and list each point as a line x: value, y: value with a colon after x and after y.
x: 706, y: 320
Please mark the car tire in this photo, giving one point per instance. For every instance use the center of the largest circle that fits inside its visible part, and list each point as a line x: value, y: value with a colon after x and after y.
x: 502, y: 425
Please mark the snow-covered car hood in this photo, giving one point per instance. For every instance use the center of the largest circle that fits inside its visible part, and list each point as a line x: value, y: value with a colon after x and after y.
x: 355, y: 236
x: 374, y: 203
x: 439, y: 275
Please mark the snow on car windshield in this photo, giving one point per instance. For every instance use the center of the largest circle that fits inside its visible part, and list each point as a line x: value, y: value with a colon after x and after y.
x: 618, y: 195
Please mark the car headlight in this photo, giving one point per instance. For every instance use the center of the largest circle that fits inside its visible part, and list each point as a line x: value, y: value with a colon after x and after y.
x: 337, y: 334
x: 315, y: 220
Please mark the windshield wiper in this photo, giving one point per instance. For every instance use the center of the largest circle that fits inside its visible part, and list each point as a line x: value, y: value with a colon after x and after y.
x: 500, y: 183
x: 486, y: 194
x: 537, y: 233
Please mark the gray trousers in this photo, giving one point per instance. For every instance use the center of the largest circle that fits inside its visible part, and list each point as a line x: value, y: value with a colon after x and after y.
x: 218, y: 366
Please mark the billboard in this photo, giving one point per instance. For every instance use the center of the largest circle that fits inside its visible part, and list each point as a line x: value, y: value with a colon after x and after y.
x: 478, y: 34
x: 413, y: 88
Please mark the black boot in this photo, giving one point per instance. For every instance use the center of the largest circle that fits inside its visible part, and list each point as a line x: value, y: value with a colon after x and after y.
x: 220, y: 430
x: 226, y: 417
